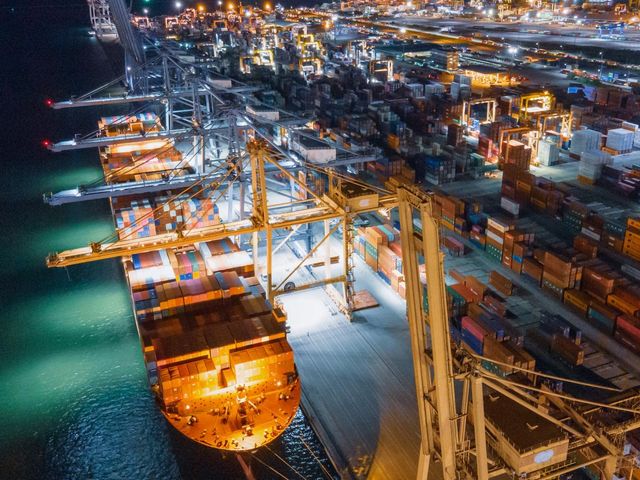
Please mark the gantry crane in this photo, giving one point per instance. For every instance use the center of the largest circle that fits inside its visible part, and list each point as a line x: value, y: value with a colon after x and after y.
x: 467, y: 105
x: 101, y: 21
x: 454, y: 443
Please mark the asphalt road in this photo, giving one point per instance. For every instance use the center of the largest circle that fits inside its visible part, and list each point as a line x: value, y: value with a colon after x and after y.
x: 527, y: 32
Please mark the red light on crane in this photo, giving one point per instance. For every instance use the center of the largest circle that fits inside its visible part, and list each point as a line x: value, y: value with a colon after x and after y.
x: 46, y: 143
x: 48, y: 102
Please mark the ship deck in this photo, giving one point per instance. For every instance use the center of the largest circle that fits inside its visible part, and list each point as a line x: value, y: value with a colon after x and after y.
x: 271, y: 414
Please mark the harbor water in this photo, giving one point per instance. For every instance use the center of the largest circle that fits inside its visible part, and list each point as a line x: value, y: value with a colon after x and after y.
x: 75, y: 399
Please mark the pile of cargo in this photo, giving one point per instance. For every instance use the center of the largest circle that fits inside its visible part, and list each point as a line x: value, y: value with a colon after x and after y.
x: 129, y: 124
x: 560, y: 272
x: 622, y: 180
x: 200, y: 212
x: 125, y: 168
x: 380, y: 248
x: 439, y: 170
x: 585, y: 140
x: 188, y: 381
x: 206, y: 325
x: 149, y: 268
x: 575, y: 275
x: 169, y: 213
x: 484, y: 330
x: 478, y: 318
x: 620, y: 140
x: 453, y: 246
x: 450, y: 211
x: 254, y: 364
x: 143, y: 218
x: 590, y: 167
x: 500, y: 283
x: 521, y: 189
x: 631, y: 245
x: 224, y: 255
x: 548, y: 152
x: 516, y: 153
x: 386, y: 167
x: 137, y: 221
x: 187, y: 265
x: 561, y: 339
x: 487, y: 148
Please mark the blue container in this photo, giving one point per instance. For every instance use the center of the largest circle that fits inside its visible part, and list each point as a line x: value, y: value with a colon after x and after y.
x: 384, y: 277
x: 475, y: 344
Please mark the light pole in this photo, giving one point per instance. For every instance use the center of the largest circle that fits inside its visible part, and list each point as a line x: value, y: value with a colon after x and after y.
x: 600, y: 69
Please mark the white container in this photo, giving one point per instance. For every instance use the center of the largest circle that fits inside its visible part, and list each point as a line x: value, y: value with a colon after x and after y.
x: 620, y: 139
x: 591, y: 163
x: 584, y: 140
x: 626, y: 158
x: 548, y: 152
x: 495, y: 237
x: 510, y: 206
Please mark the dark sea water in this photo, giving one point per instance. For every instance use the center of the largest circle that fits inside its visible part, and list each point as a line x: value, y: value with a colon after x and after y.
x: 75, y: 403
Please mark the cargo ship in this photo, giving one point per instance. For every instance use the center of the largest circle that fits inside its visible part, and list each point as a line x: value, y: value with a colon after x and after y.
x: 215, y: 349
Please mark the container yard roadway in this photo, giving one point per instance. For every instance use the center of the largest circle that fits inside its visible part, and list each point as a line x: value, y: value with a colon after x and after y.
x: 357, y: 378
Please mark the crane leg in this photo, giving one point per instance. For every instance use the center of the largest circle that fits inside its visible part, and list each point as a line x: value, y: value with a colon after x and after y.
x: 610, y: 465
x: 423, y: 463
x: 479, y: 428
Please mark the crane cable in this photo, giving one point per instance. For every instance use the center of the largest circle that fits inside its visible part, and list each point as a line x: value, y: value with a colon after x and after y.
x: 160, y: 207
x: 546, y: 375
x: 150, y: 155
x: 324, y: 469
x: 144, y: 159
x: 152, y: 212
x: 270, y: 467
x: 222, y: 192
x: 517, y: 385
x: 286, y: 463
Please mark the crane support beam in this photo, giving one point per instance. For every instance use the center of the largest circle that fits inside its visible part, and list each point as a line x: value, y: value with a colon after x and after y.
x: 128, y: 247
x: 479, y: 428
x: 109, y: 100
x: 102, y: 192
x: 124, y: 98
x: 94, y: 142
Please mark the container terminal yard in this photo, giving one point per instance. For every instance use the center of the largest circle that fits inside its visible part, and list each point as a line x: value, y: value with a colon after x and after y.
x: 424, y: 233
